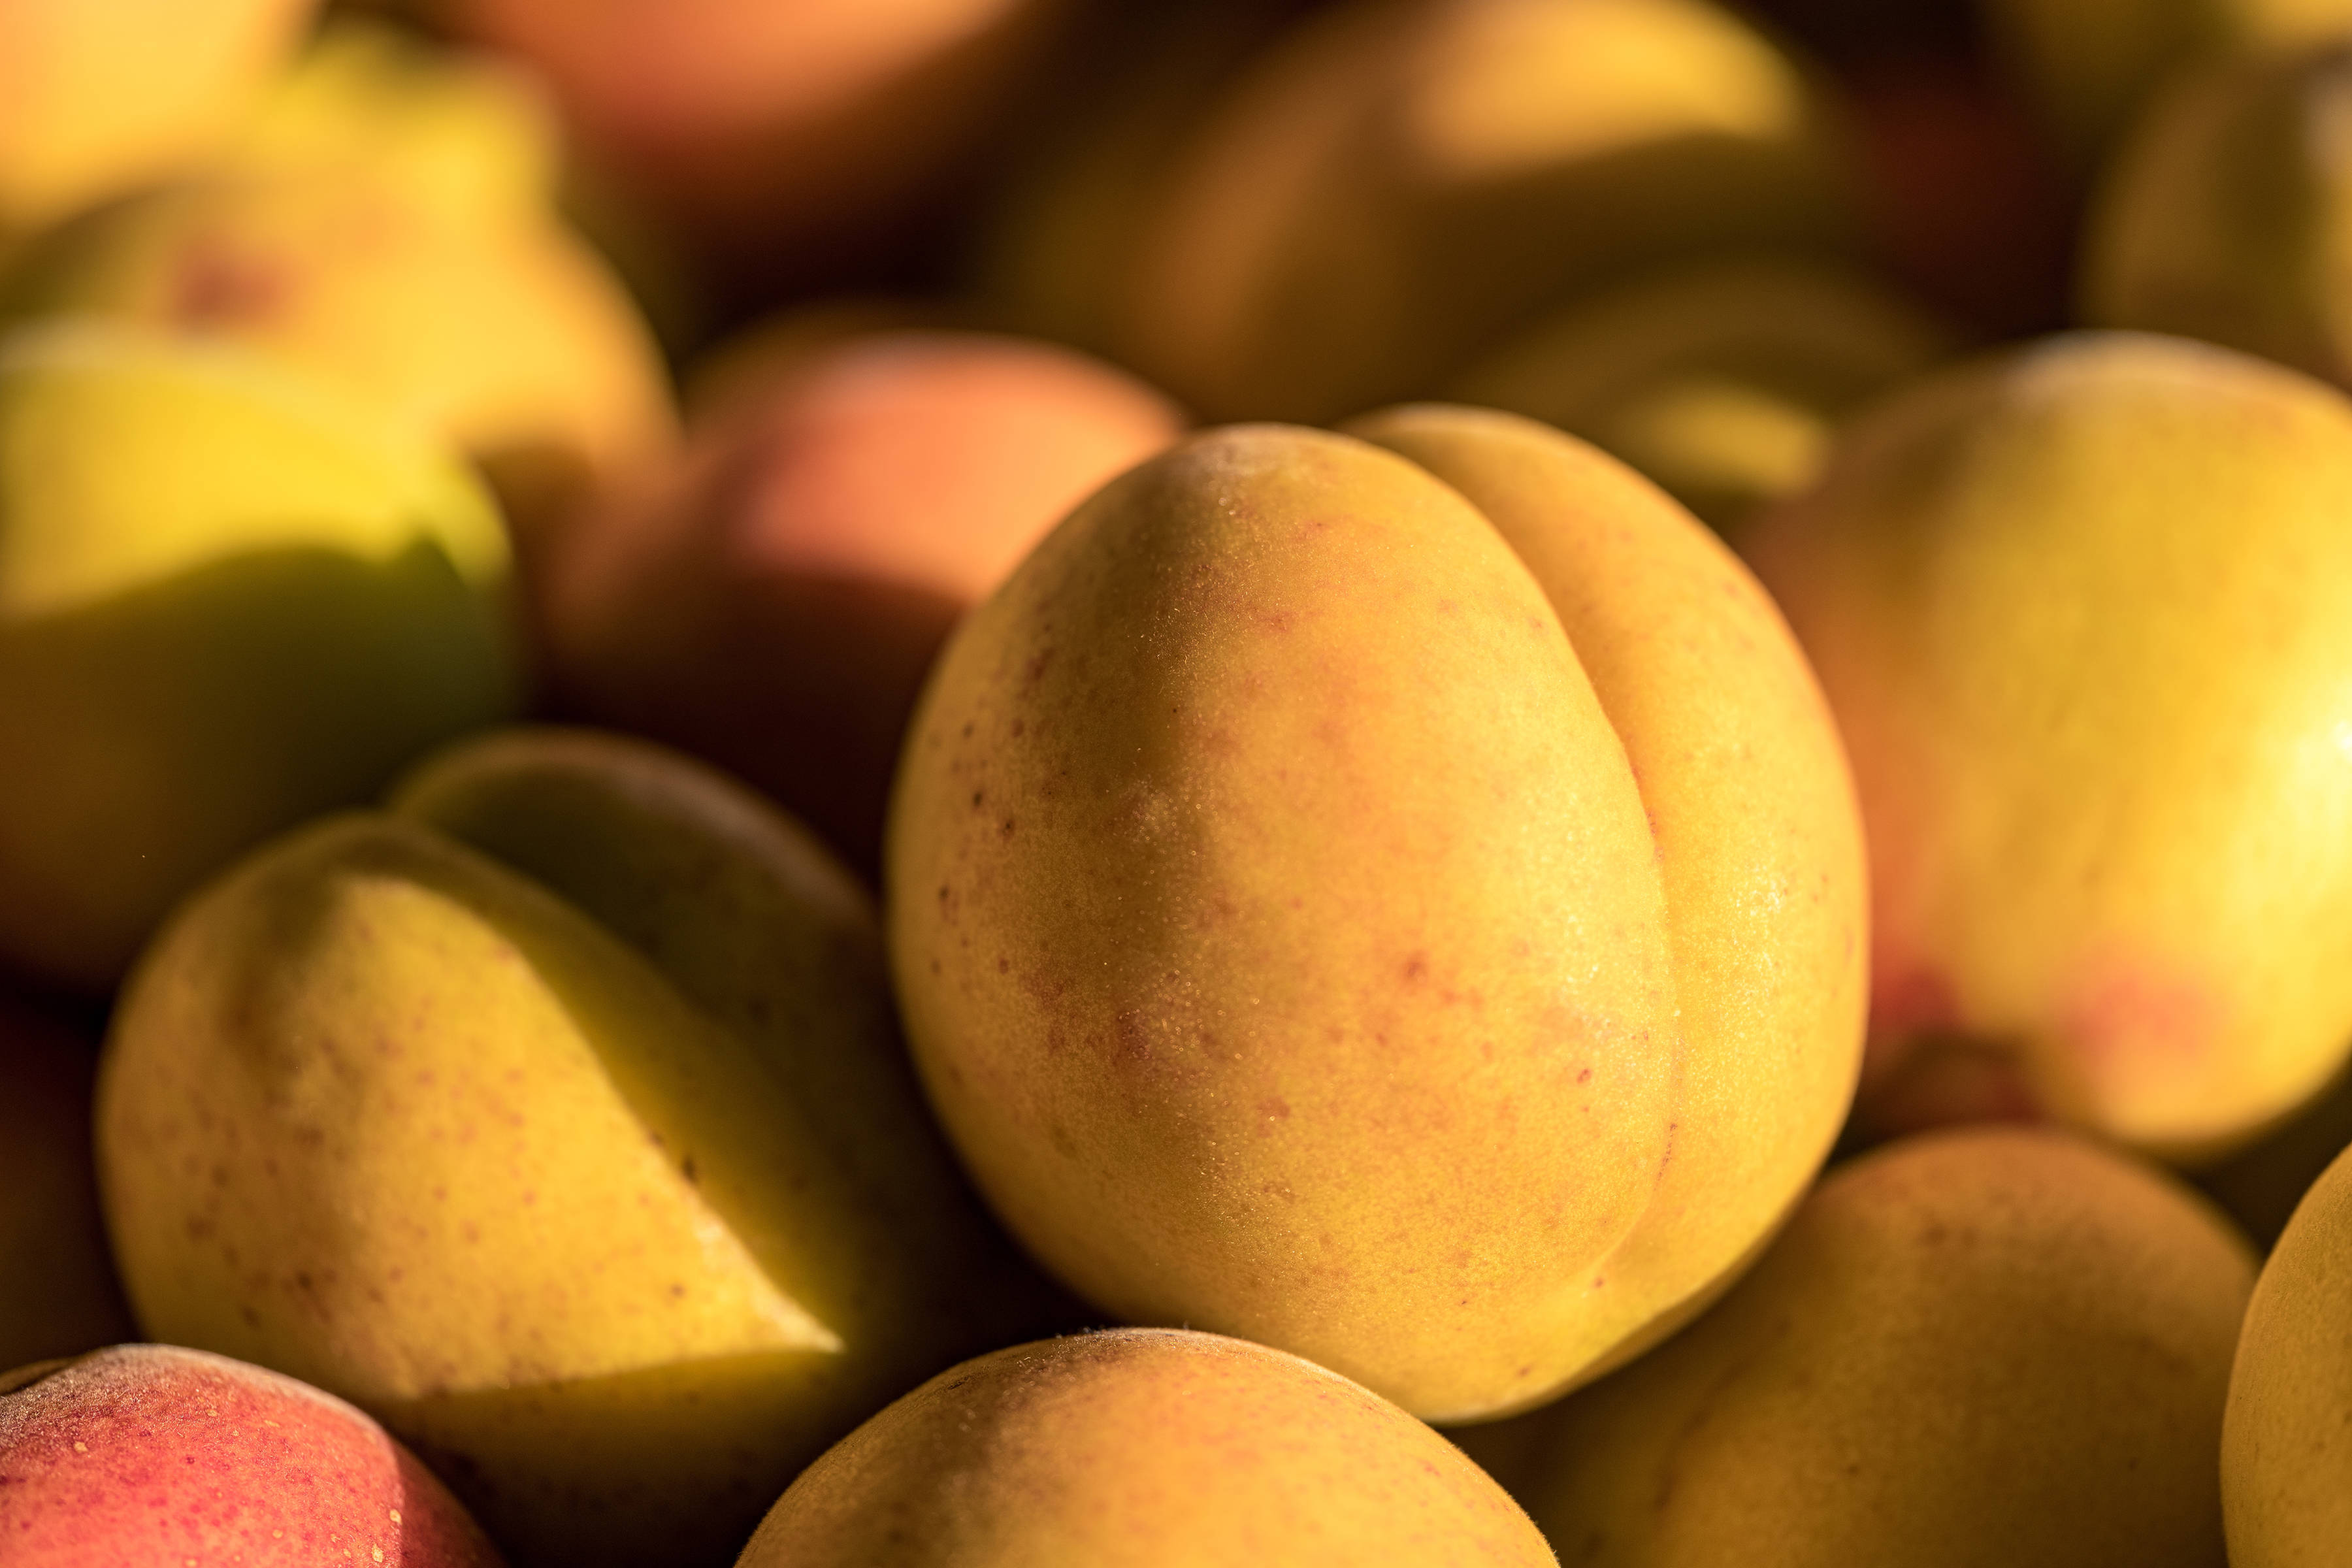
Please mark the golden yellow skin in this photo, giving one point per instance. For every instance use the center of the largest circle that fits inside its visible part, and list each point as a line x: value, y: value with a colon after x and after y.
x: 2084, y: 613
x: 1285, y: 938
x: 1974, y: 1348
x: 228, y: 601
x: 618, y: 1225
x: 1396, y: 182
x: 1724, y: 381
x: 501, y: 333
x: 382, y: 219
x: 105, y: 94
x: 2285, y: 1500
x: 1143, y: 1448
x: 2228, y: 213
x: 2092, y: 66
x: 463, y: 131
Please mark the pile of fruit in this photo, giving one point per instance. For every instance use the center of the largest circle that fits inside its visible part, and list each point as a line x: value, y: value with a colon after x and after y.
x: 1309, y: 782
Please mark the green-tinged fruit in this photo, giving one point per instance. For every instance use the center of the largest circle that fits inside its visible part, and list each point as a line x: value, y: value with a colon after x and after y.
x: 228, y: 601
x: 557, y: 1119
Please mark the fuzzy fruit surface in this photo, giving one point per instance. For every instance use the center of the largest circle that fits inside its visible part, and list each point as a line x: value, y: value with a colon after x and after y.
x: 1421, y: 936
x: 157, y: 1454
x: 1983, y: 1345
x: 1143, y: 1448
x: 2284, y: 1500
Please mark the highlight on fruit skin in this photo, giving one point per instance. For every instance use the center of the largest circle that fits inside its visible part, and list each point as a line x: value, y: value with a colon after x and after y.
x: 2083, y: 610
x: 1139, y: 1448
x: 1978, y: 1345
x: 147, y: 1453
x: 2285, y: 1497
x: 1392, y: 896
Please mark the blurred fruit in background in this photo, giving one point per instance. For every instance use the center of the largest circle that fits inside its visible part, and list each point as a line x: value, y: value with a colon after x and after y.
x: 1993, y: 1345
x: 58, y: 1295
x: 1062, y: 225
x: 228, y: 599
x: 1724, y: 381
x: 2228, y: 214
x: 1255, y: 908
x: 773, y: 600
x: 1381, y: 190
x: 103, y: 95
x: 385, y: 225
x: 785, y: 147
x: 156, y: 1454
x: 2089, y: 67
x: 2084, y: 613
x: 558, y: 1118
x: 1463, y: 801
x: 1144, y: 1447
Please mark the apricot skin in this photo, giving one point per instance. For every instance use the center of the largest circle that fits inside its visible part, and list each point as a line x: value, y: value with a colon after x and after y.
x: 1304, y: 937
x: 773, y: 600
x: 157, y: 1454
x: 1143, y: 1448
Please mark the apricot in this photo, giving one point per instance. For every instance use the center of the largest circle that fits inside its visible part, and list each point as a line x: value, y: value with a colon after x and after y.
x: 229, y: 598
x: 557, y: 1118
x: 2283, y: 1461
x: 773, y: 600
x: 158, y: 1454
x: 385, y: 223
x: 2091, y: 66
x: 1392, y: 185
x: 2084, y: 610
x: 1399, y: 905
x: 104, y: 94
x: 1985, y: 1345
x: 781, y: 137
x: 1724, y: 381
x: 1139, y: 1448
x: 2221, y: 216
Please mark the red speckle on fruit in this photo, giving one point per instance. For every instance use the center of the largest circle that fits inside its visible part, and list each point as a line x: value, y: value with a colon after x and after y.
x: 217, y: 284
